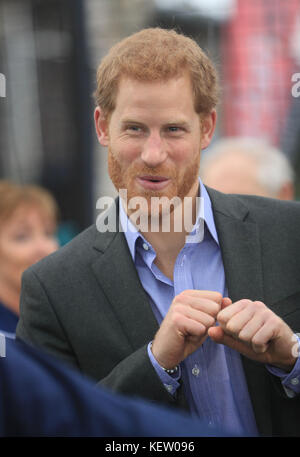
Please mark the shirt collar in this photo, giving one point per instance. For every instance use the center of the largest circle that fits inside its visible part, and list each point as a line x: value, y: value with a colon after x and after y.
x: 130, y: 231
x: 205, y: 214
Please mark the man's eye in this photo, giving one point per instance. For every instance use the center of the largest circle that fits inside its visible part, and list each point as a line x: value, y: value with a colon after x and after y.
x: 175, y: 129
x: 134, y: 128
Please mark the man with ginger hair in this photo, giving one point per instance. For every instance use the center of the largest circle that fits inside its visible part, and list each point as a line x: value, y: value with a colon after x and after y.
x: 203, y: 317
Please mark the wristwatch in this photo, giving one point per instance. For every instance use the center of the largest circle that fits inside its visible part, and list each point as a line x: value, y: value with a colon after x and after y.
x: 171, y: 370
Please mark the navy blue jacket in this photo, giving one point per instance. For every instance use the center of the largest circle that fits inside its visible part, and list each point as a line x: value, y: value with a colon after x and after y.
x: 41, y: 397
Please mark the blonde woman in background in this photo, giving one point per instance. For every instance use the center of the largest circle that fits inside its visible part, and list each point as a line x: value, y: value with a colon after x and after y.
x: 28, y: 219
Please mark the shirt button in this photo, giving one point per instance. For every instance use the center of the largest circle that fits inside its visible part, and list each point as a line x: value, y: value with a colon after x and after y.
x: 195, y: 371
x: 169, y: 387
x: 145, y: 246
x: 183, y: 260
x: 295, y: 381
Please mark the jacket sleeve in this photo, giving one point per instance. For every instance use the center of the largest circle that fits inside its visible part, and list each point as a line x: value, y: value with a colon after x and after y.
x: 38, y: 324
x: 136, y: 376
x: 41, y: 326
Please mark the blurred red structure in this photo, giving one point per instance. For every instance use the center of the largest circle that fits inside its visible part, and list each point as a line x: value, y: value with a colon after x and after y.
x: 257, y: 68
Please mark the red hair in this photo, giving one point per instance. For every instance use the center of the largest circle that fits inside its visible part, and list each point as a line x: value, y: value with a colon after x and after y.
x: 157, y: 54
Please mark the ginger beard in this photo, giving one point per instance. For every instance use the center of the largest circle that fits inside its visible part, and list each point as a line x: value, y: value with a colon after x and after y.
x: 180, y: 185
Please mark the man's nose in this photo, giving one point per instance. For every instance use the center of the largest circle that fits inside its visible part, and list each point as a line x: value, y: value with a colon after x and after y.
x: 154, y: 150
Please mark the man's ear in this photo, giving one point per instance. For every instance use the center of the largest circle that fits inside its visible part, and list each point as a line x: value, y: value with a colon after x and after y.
x: 101, y: 126
x: 208, y: 125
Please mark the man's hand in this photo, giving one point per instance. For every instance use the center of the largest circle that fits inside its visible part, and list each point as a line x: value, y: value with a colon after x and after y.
x: 185, y: 326
x: 252, y: 329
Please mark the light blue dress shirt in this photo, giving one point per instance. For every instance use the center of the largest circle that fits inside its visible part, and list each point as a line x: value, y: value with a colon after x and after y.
x: 213, y: 376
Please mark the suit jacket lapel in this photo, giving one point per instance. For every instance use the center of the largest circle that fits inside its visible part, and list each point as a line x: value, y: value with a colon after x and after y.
x: 240, y: 247
x: 119, y: 280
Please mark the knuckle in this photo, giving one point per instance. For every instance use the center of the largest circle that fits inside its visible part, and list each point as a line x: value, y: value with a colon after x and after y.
x: 216, y: 307
x: 213, y: 310
x: 201, y: 328
x: 268, y: 315
x: 221, y: 318
x: 273, y: 321
x: 178, y: 309
x: 183, y: 297
x: 244, y: 336
x: 232, y: 327
x: 259, y: 306
x: 256, y: 341
x: 176, y: 318
x: 182, y: 294
x: 246, y: 302
x: 210, y: 321
x: 179, y: 299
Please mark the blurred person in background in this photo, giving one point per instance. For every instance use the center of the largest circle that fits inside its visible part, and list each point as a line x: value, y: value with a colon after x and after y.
x: 248, y: 166
x: 28, y: 217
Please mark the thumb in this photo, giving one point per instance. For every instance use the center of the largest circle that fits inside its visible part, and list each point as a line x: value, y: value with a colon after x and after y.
x: 226, y: 302
x: 216, y: 334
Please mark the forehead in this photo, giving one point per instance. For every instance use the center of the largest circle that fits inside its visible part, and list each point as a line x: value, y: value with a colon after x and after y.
x: 174, y: 94
x: 26, y: 214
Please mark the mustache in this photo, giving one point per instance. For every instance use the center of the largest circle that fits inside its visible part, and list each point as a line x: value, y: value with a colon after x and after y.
x: 144, y: 170
x: 140, y: 168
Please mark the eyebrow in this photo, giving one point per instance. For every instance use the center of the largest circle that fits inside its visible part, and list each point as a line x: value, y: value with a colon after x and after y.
x: 131, y: 121
x: 179, y: 122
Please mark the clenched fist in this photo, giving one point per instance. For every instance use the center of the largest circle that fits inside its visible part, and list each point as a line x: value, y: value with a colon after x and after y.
x: 252, y: 329
x: 185, y: 326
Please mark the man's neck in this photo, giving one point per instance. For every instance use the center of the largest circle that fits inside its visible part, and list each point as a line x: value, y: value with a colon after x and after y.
x: 168, y: 244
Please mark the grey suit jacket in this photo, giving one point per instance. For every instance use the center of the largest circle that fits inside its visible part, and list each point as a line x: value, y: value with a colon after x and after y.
x: 85, y: 303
